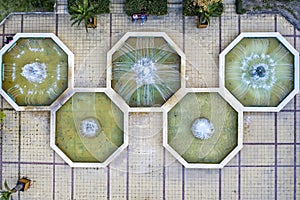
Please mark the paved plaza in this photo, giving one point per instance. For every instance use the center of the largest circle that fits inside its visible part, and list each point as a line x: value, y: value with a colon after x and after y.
x: 268, y: 166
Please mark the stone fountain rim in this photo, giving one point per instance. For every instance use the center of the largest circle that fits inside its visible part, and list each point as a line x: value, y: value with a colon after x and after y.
x: 56, y: 40
x: 179, y: 96
x: 168, y: 40
x: 284, y: 42
x: 115, y: 99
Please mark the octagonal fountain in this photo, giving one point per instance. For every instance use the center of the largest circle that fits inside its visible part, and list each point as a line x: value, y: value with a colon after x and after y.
x: 89, y: 129
x: 145, y: 68
x: 36, y: 68
x: 145, y: 73
x: 202, y: 129
x: 261, y: 70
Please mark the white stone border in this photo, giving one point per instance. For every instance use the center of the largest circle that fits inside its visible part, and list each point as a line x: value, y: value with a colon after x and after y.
x: 115, y: 99
x: 145, y: 34
x: 165, y: 108
x: 278, y: 36
x: 118, y: 100
x: 70, y: 69
x: 175, y: 99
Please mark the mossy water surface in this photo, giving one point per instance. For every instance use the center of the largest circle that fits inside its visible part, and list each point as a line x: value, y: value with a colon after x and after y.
x: 84, y: 149
x: 205, y: 105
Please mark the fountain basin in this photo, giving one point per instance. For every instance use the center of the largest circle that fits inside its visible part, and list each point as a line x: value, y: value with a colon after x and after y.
x: 36, y: 69
x: 89, y: 129
x: 203, y: 129
x: 261, y: 71
x: 145, y: 69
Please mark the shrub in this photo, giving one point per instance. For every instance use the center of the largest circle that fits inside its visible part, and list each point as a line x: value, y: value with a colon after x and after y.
x: 101, y: 6
x: 239, y: 7
x: 42, y: 5
x: 8, y: 6
x: 216, y: 9
x: 188, y: 8
x: 150, y: 7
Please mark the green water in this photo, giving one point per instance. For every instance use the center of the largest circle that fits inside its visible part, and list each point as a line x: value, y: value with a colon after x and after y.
x: 83, y: 149
x: 271, y: 89
x: 210, y: 106
x: 34, y: 50
x: 165, y: 79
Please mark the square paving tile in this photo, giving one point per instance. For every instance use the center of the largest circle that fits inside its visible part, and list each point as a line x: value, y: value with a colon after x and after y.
x: 267, y: 166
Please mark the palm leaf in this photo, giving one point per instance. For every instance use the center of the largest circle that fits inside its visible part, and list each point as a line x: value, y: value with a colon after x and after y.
x: 82, y: 11
x: 5, y: 195
x: 79, y: 21
x: 73, y: 17
x: 6, y: 185
x: 85, y: 4
x: 90, y: 9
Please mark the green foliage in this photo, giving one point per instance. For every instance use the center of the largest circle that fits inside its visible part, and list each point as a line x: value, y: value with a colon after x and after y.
x: 84, y: 10
x: 216, y: 9
x: 191, y: 8
x: 5, y: 194
x: 204, y: 17
x: 81, y: 11
x: 239, y: 7
x: 100, y: 6
x: 42, y: 5
x: 2, y: 116
x: 6, y: 185
x: 188, y: 9
x: 8, y: 6
x: 213, y: 10
x: 150, y: 7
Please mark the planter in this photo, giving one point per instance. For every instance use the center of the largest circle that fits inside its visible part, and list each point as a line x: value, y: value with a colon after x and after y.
x: 92, y: 23
x: 202, y: 23
x: 23, y: 184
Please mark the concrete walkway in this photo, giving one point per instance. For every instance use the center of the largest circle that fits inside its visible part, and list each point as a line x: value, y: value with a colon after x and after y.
x: 268, y: 167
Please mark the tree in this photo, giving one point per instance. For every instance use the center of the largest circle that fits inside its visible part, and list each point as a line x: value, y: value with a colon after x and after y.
x: 82, y: 11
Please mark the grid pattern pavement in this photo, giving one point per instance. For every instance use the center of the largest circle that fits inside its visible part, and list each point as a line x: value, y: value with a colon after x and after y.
x: 268, y: 167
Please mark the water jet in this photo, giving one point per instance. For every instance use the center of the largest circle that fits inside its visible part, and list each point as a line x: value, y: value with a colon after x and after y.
x: 36, y: 70
x: 261, y: 70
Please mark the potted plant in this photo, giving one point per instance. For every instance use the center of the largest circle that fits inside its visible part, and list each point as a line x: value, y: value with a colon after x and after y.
x: 22, y: 185
x: 83, y: 11
x: 203, y: 19
x: 207, y: 9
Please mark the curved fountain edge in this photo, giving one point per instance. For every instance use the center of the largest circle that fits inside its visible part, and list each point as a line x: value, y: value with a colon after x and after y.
x: 172, y: 44
x: 70, y: 70
x: 278, y: 36
x: 228, y: 99
x: 115, y: 99
x: 165, y: 108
